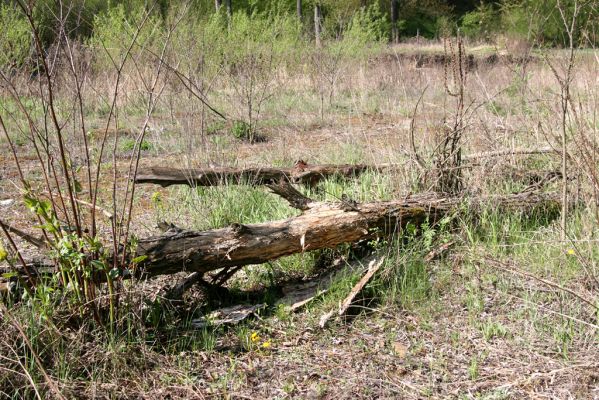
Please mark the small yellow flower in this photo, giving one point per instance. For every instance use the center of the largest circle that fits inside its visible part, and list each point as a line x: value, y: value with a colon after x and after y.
x: 156, y: 197
x: 571, y: 252
x: 254, y: 337
x: 266, y: 344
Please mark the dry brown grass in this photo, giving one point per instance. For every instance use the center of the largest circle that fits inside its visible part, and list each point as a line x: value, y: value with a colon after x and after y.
x: 480, y: 334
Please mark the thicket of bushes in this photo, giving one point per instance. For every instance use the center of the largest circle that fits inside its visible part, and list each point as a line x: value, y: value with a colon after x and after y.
x: 95, y: 22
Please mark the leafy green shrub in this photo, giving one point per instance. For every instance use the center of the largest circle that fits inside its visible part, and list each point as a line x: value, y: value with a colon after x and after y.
x: 367, y: 30
x: 540, y: 21
x: 129, y: 144
x: 114, y: 30
x: 480, y: 23
x: 15, y: 38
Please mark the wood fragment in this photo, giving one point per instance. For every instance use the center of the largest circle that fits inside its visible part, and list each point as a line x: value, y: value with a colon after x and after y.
x: 227, y: 316
x: 373, y: 267
x: 301, y: 173
x: 297, y: 295
x: 36, y: 241
x: 439, y: 251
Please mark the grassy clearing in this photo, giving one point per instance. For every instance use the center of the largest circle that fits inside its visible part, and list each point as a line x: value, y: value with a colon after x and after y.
x: 452, y: 326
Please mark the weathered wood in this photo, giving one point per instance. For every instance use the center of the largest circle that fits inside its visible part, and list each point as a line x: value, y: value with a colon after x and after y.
x: 300, y: 173
x: 321, y: 225
x: 373, y: 267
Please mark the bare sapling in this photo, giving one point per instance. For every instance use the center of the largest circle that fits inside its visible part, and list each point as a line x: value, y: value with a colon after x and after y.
x: 67, y: 211
x: 449, y: 150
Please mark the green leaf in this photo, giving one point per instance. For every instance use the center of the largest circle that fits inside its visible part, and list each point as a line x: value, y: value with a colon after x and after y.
x: 139, y: 259
x: 9, y: 275
x: 99, y: 265
x: 114, y: 273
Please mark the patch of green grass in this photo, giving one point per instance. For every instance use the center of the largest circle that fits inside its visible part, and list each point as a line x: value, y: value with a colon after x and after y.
x: 473, y: 368
x: 241, y: 130
x: 493, y: 329
x: 129, y: 145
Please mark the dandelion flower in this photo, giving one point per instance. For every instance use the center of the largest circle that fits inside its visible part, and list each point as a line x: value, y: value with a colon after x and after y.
x: 571, y: 252
x: 266, y: 344
x: 254, y: 337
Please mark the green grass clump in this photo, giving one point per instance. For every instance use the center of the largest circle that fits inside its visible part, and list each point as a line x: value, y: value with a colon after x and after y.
x: 129, y: 145
x: 241, y: 130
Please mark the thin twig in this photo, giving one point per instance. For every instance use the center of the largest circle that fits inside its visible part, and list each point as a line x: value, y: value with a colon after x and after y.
x: 513, y: 269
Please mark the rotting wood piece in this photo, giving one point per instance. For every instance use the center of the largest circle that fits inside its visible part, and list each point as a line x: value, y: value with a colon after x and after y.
x: 300, y: 173
x: 321, y: 225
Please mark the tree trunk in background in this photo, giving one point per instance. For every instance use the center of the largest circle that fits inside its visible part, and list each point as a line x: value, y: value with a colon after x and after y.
x: 299, y: 9
x: 229, y: 9
x: 317, y: 23
x: 218, y: 4
x: 394, y: 21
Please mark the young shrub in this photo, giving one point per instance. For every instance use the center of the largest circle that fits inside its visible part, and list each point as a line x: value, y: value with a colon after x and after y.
x: 114, y: 29
x: 254, y: 48
x: 15, y: 39
x: 481, y: 23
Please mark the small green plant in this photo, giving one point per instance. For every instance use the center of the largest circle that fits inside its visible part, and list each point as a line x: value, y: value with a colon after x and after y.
x: 492, y: 330
x: 473, y: 368
x: 564, y: 335
x: 129, y: 145
x: 241, y: 130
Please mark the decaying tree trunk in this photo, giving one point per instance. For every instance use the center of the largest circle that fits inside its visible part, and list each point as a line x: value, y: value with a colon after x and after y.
x: 300, y: 173
x: 320, y: 225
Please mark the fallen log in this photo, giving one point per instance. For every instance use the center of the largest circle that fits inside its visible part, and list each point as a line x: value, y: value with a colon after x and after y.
x: 300, y: 173
x: 320, y: 225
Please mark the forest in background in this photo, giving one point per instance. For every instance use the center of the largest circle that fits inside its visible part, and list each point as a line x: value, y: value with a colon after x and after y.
x: 536, y: 22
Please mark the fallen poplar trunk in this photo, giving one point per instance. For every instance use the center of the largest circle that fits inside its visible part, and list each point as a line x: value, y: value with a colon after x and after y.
x: 320, y: 225
x: 300, y: 173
